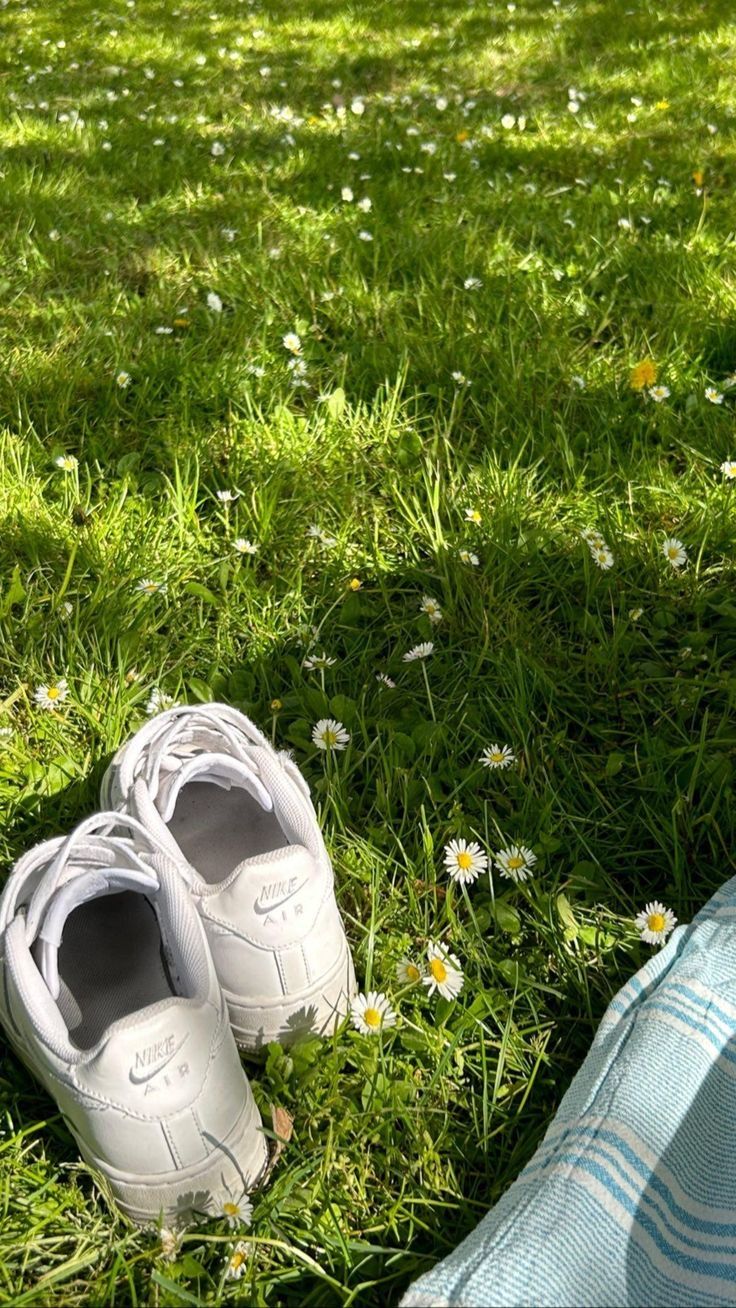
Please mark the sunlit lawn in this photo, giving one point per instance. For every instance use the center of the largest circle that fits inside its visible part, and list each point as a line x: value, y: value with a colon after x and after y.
x: 476, y: 219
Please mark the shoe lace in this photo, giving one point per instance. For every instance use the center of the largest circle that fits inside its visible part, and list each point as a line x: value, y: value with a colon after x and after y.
x: 97, y: 843
x: 183, y: 731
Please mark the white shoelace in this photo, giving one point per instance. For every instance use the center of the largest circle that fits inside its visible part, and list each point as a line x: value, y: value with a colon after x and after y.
x: 90, y: 847
x: 189, y: 731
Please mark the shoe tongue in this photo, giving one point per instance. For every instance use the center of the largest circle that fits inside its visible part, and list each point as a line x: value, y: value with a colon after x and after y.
x: 50, y: 907
x: 220, y: 770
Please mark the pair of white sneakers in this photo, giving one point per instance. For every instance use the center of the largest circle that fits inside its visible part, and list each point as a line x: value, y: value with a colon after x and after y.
x: 195, y: 912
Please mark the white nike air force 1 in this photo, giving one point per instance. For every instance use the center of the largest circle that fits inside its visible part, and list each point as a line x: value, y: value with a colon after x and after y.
x: 237, y: 818
x: 109, y: 994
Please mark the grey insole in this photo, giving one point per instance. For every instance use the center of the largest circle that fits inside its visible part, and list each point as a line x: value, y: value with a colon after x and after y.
x: 216, y: 829
x: 110, y: 964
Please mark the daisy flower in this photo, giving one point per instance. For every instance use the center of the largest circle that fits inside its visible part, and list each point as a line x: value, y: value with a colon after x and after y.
x: 635, y: 614
x: 603, y: 558
x: 655, y: 922
x: 714, y: 396
x: 659, y: 393
x: 674, y: 552
x: 464, y: 861
x: 122, y: 379
x: 516, y: 862
x: 217, y: 149
x: 66, y: 462
x: 292, y: 343
x: 364, y: 235
x: 467, y: 556
x: 214, y: 302
x: 385, y: 680
x: 365, y: 205
x: 150, y: 587
x: 445, y: 973
x: 48, y: 696
x: 169, y: 1244
x: 316, y: 533
x: 371, y: 1013
x: 421, y: 651
x: 459, y: 378
x: 158, y: 702
x: 472, y: 515
x: 243, y: 546
x: 236, y: 1262
x: 498, y: 756
x: 238, y: 1212
x: 728, y: 469
x: 643, y: 374
x: 472, y: 283
x: 346, y: 194
x: 227, y: 496
x: 330, y: 734
x: 313, y: 661
x: 407, y: 973
x: 431, y: 608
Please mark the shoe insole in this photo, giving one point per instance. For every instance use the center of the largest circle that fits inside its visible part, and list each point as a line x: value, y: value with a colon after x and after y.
x: 110, y: 964
x: 216, y: 829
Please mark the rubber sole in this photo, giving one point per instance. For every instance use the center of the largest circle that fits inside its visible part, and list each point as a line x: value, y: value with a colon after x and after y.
x: 234, y: 1167
x: 316, y: 1011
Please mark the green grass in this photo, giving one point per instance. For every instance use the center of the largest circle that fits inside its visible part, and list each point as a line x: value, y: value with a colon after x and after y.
x: 623, y: 728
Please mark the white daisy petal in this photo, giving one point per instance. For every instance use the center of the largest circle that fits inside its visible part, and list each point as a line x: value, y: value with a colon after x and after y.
x: 444, y: 973
x: 675, y: 553
x: 516, y: 862
x: 372, y: 1013
x: 465, y: 860
x: 655, y: 922
x: 498, y: 756
x: 329, y: 734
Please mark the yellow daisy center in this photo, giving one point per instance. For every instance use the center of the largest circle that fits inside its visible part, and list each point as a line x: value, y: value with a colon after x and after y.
x: 496, y: 756
x: 672, y: 551
x: 515, y: 862
x: 438, y: 970
x: 329, y: 737
x: 655, y: 921
x: 356, y: 583
x: 372, y: 1017
x: 230, y: 1210
x: 52, y: 692
x: 464, y: 860
x: 237, y: 1260
x: 412, y: 972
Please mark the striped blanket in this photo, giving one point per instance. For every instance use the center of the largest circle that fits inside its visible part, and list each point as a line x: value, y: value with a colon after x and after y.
x: 631, y: 1197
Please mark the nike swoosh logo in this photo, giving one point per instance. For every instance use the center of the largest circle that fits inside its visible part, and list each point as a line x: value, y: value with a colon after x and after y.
x: 278, y: 903
x: 147, y: 1072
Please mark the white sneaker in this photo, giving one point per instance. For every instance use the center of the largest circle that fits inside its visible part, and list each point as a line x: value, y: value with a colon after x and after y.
x: 209, y: 785
x: 109, y: 994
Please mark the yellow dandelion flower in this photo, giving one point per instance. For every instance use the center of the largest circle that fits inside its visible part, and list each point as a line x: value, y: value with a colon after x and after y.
x: 643, y: 374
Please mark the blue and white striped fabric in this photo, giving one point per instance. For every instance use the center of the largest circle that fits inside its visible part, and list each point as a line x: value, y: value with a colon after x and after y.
x: 631, y: 1197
